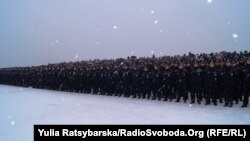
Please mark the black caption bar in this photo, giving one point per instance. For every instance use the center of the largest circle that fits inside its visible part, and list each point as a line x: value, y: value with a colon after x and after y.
x: 83, y: 132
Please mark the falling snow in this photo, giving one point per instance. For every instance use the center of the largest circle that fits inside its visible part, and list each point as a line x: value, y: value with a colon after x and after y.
x: 76, y: 56
x: 12, y: 123
x: 235, y: 36
x: 152, y: 52
x: 161, y: 30
x: 152, y: 12
x: 115, y: 27
x: 156, y: 22
x: 209, y: 1
x: 57, y: 41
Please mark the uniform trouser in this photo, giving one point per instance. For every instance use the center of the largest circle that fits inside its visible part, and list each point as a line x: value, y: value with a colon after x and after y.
x: 246, y: 97
x: 180, y: 93
x: 220, y: 94
x: 228, y: 97
x: 171, y: 93
x: 157, y: 92
x: 199, y: 94
x: 236, y: 96
x: 168, y: 93
x: 240, y: 91
x: 193, y: 94
x: 146, y: 92
x: 154, y: 92
x: 185, y: 95
x: 214, y: 95
x: 207, y: 95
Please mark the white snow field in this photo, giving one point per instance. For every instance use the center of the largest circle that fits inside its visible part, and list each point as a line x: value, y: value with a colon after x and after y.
x: 21, y: 108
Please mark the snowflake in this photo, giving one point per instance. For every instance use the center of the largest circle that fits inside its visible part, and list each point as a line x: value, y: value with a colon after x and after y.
x: 161, y: 53
x: 209, y: 1
x: 12, y: 123
x: 161, y: 30
x: 235, y: 36
x: 76, y: 56
x: 156, y: 22
x: 152, y: 12
x: 115, y: 27
x: 152, y: 52
x: 57, y: 41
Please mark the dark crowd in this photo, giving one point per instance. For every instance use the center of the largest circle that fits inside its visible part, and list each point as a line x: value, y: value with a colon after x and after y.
x: 214, y: 78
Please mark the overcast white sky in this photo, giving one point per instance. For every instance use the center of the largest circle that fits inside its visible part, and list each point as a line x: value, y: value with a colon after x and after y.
x: 49, y: 31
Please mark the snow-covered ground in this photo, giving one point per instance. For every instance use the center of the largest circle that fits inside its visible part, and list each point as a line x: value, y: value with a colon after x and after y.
x: 21, y: 108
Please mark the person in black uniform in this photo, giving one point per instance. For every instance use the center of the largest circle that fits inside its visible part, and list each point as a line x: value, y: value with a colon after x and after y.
x: 247, y: 84
x: 180, y: 83
x: 145, y: 86
x: 165, y: 83
x: 229, y: 83
x: 210, y: 86
x: 194, y: 82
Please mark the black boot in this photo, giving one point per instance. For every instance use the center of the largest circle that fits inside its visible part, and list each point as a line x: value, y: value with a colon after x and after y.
x: 236, y: 101
x: 226, y: 104
x: 159, y: 98
x: 230, y: 104
x: 177, y: 100
x: 220, y: 100
x: 207, y: 102
x: 244, y: 105
x: 199, y: 102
